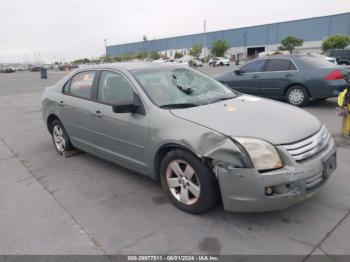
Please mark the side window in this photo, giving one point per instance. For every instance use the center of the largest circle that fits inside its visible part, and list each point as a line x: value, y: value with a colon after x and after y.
x: 114, y: 89
x: 66, y: 86
x: 279, y: 65
x: 81, y: 84
x: 253, y: 67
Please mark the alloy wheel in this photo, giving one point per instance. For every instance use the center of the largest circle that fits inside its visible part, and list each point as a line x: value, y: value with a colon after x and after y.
x: 183, y: 182
x: 58, y: 138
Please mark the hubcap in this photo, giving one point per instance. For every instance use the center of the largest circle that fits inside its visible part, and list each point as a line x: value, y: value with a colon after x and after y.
x: 183, y: 182
x: 296, y: 96
x: 58, y: 138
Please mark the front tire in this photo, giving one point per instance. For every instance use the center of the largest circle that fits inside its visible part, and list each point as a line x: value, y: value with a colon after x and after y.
x: 188, y: 183
x: 297, y: 95
x: 60, y: 137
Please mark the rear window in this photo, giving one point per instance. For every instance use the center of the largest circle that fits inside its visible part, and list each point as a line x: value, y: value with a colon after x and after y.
x: 279, y: 65
x: 318, y: 62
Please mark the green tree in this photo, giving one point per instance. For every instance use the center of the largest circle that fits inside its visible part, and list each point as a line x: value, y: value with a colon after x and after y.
x: 178, y: 55
x: 196, y: 50
x: 335, y: 42
x: 81, y: 61
x: 142, y: 55
x: 106, y: 59
x: 219, y: 48
x: 290, y: 42
x: 127, y: 56
x: 155, y: 55
x: 117, y: 59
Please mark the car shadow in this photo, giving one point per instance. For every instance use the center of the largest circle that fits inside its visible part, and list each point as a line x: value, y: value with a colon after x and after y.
x: 329, y: 103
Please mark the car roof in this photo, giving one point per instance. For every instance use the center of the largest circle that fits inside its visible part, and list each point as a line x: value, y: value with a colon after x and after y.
x: 295, y: 56
x: 131, y: 65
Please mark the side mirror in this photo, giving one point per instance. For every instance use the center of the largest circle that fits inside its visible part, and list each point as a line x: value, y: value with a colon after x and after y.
x: 125, y: 108
x: 238, y: 72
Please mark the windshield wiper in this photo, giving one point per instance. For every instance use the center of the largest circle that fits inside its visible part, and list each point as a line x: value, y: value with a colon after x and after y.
x: 179, y: 105
x: 222, y: 99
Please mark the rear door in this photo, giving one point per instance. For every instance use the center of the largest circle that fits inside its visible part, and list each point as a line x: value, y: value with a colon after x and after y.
x: 75, y: 108
x: 278, y: 73
x: 248, y: 80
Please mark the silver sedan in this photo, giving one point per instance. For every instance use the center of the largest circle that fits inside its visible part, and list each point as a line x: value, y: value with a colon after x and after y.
x: 201, y: 139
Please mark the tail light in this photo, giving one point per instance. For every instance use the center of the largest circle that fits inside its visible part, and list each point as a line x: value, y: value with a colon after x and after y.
x: 334, y: 75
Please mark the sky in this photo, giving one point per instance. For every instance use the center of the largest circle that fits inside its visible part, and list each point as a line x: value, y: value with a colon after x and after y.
x: 62, y: 30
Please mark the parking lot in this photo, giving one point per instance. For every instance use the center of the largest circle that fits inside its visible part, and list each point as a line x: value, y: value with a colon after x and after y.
x: 84, y: 205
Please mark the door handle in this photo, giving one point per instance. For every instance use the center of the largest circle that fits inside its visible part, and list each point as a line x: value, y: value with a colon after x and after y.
x: 289, y: 75
x: 97, y: 113
x: 61, y: 103
x: 255, y: 76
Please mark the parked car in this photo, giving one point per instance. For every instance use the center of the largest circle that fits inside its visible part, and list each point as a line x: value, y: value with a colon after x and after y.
x: 341, y: 55
x: 219, y: 61
x: 197, y: 63
x: 7, y: 70
x: 194, y: 134
x: 35, y: 68
x: 294, y: 78
x: 68, y: 66
x: 190, y: 62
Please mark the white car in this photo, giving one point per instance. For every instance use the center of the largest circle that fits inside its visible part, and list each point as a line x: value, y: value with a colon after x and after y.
x: 219, y: 61
x: 186, y: 61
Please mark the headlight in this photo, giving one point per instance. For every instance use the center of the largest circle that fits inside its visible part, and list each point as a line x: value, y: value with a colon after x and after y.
x: 263, y: 155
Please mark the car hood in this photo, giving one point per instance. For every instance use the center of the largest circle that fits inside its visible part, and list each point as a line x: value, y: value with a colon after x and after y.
x: 250, y: 116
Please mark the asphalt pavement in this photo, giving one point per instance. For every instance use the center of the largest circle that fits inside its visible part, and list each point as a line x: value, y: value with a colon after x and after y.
x: 85, y: 205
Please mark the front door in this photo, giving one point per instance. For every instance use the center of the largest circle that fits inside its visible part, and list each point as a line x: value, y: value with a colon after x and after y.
x: 248, y: 80
x: 122, y: 137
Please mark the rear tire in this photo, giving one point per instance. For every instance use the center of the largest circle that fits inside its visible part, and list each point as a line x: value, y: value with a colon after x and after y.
x: 297, y: 95
x: 60, y: 137
x: 221, y: 64
x: 188, y: 183
x: 344, y: 62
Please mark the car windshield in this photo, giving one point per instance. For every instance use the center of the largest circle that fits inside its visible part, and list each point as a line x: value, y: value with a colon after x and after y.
x: 181, y: 87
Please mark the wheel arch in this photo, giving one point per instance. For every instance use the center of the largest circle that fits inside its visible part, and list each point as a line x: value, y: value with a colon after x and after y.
x: 344, y: 61
x: 50, y: 119
x: 162, y: 151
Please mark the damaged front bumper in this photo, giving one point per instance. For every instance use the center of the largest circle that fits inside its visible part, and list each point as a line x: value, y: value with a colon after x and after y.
x: 247, y: 190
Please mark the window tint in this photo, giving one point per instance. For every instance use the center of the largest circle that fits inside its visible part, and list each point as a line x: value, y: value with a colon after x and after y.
x: 81, y: 84
x: 280, y: 65
x: 114, y: 89
x: 255, y: 66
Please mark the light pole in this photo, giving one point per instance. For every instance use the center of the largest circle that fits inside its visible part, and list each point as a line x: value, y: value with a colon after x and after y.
x: 245, y: 46
x: 205, y: 38
x: 105, y: 46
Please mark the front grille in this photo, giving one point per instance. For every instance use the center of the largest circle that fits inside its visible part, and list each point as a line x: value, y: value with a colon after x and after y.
x: 307, y: 148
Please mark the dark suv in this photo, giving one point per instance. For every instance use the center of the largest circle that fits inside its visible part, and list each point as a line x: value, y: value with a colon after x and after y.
x: 342, y: 56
